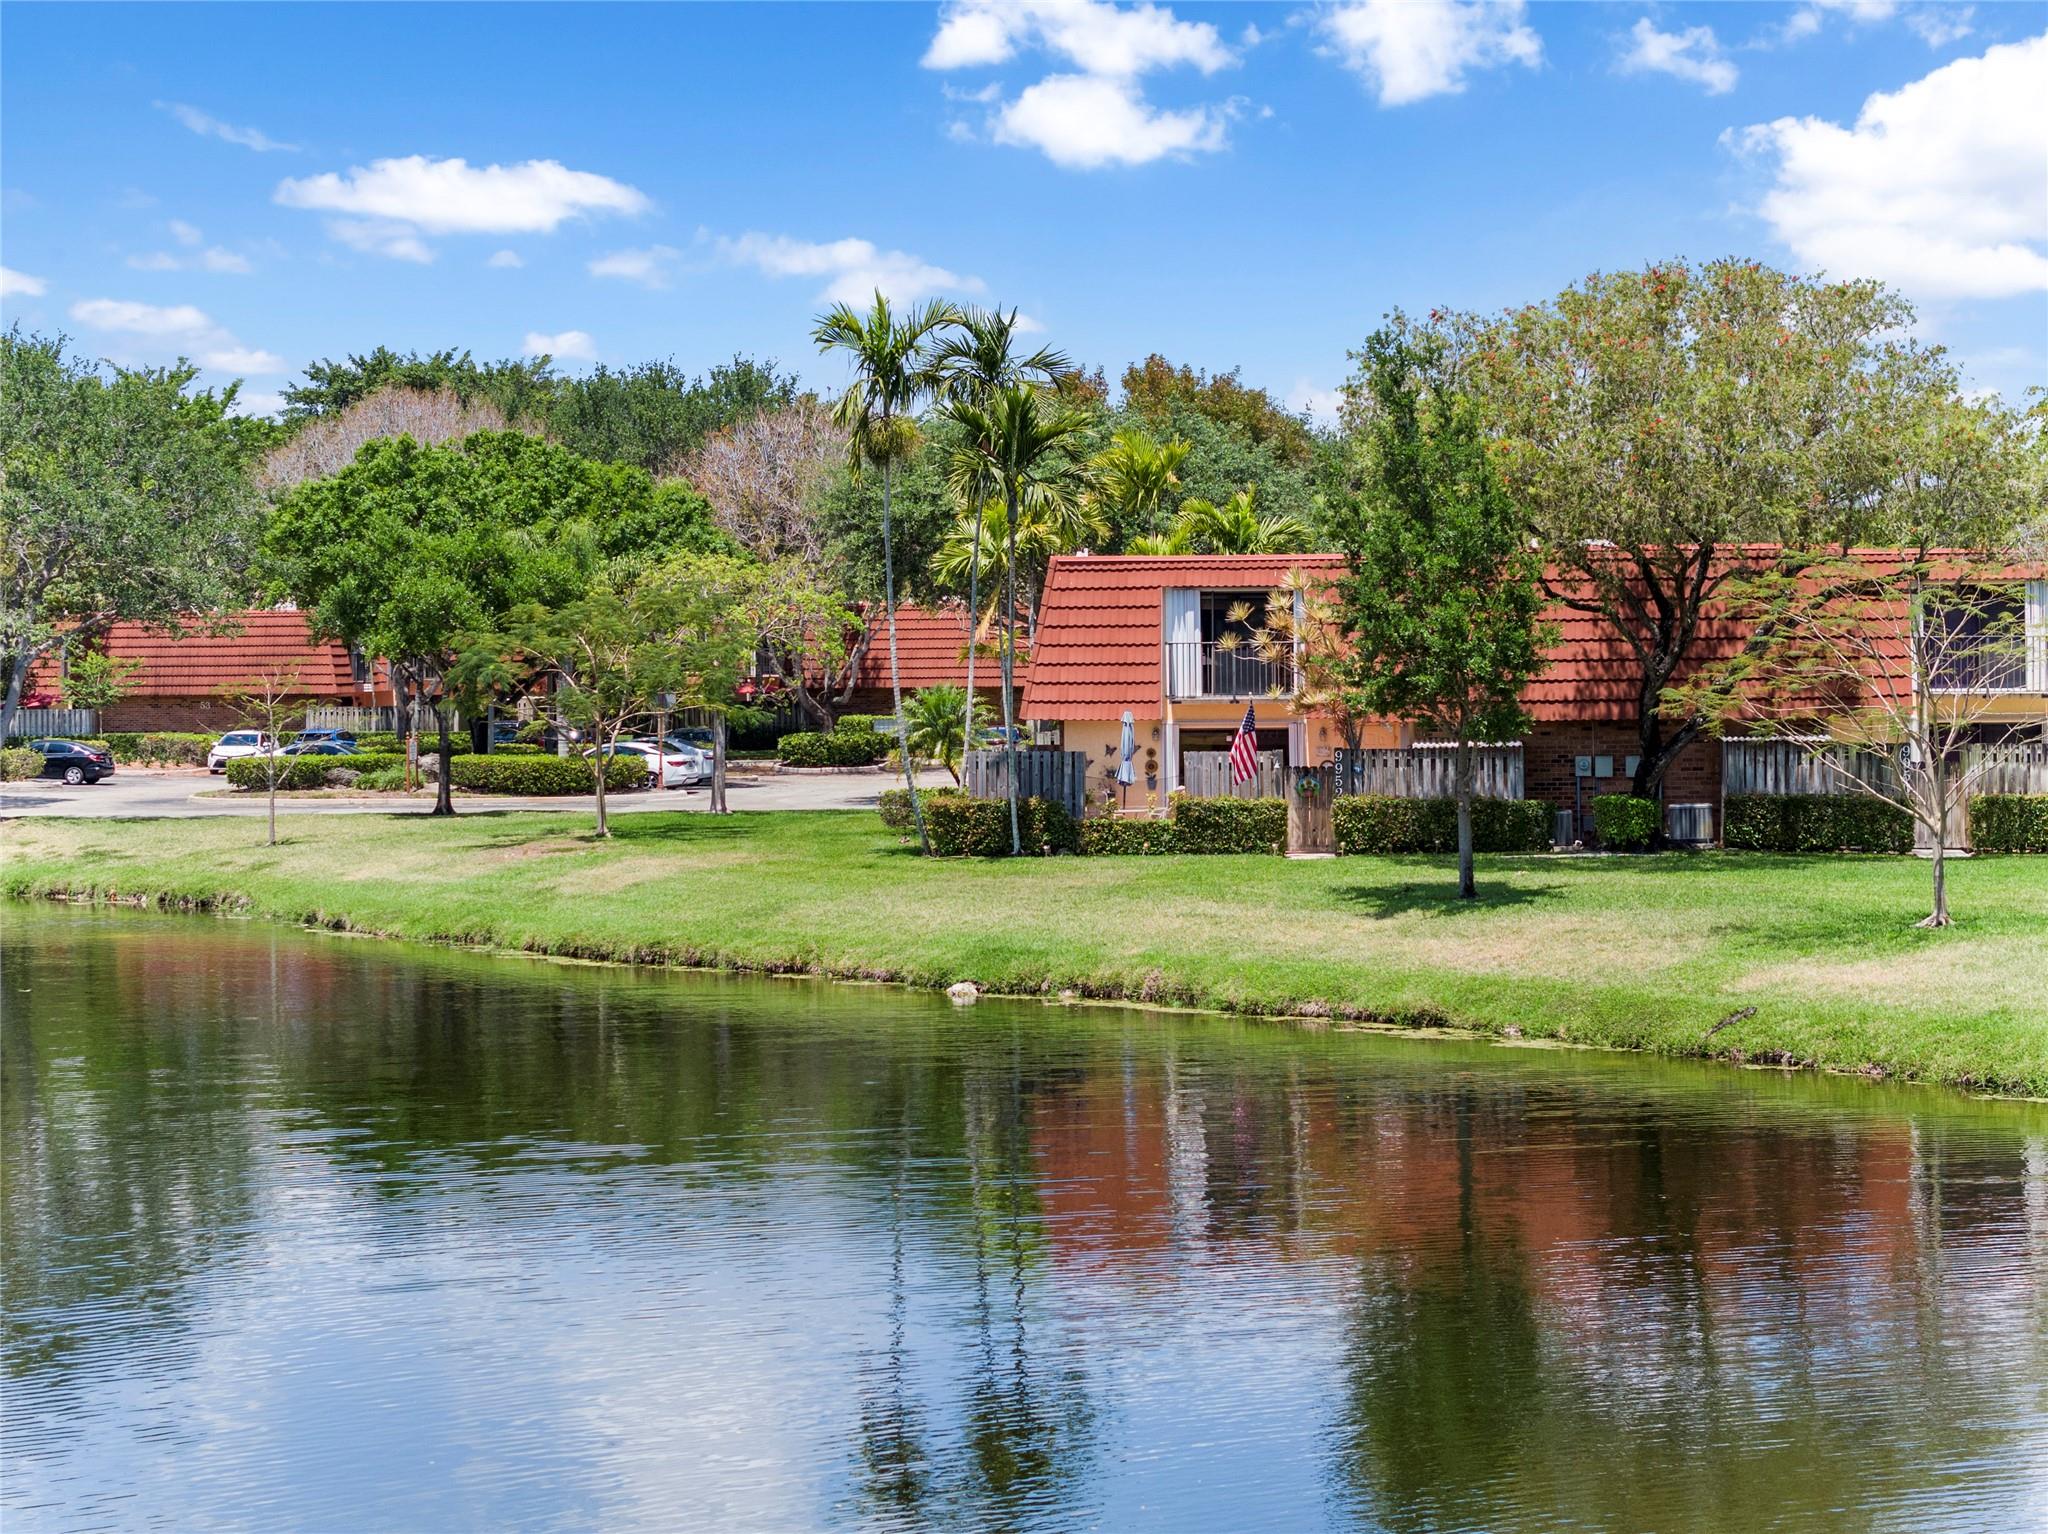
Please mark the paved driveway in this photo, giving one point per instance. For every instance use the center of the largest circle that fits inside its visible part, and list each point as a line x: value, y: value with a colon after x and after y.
x: 151, y: 795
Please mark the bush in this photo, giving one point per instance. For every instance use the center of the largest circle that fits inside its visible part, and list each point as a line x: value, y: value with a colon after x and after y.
x: 1120, y: 836
x: 18, y: 762
x: 1624, y: 823
x: 541, y: 775
x: 161, y: 748
x: 1814, y: 823
x: 895, y: 805
x: 855, y: 724
x: 373, y: 741
x: 384, y: 780
x: 980, y: 828
x: 1229, y: 825
x: 2009, y: 822
x: 301, y: 772
x: 1376, y: 823
x: 842, y: 748
x: 516, y: 748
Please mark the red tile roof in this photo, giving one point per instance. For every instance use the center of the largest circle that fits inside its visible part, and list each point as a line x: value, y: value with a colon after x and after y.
x: 931, y: 647
x: 202, y: 665
x: 1098, y: 626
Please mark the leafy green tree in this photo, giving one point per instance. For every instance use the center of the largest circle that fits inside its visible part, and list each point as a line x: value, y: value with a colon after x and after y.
x: 97, y: 680
x: 123, y: 495
x: 1235, y: 527
x: 718, y: 607
x: 1135, y: 478
x: 1026, y: 442
x: 1444, y: 593
x: 1158, y: 393
x: 894, y: 373
x: 518, y: 388
x: 654, y: 415
x: 1672, y: 430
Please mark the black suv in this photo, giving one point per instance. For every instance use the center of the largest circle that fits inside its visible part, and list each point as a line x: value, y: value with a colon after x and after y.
x: 73, y: 761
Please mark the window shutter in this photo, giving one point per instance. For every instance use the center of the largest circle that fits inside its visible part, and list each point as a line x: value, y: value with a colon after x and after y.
x: 1182, y: 625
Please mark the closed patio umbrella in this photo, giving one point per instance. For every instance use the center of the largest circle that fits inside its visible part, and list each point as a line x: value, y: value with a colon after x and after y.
x: 1126, y: 775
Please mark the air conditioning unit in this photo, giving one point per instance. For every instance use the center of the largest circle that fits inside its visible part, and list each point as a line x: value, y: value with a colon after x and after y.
x: 1562, y: 831
x: 1689, y: 825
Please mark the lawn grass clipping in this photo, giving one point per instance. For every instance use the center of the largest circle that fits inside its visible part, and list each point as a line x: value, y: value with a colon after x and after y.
x: 1668, y: 953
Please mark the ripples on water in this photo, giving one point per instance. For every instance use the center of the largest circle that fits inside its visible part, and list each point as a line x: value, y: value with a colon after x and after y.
x: 309, y: 1234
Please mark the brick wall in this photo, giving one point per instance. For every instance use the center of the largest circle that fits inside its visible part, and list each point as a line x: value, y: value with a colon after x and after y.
x: 191, y: 715
x: 1549, y: 751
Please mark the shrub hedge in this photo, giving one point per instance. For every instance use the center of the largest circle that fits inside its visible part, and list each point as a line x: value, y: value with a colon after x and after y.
x: 1115, y: 835
x: 296, y: 772
x: 1625, y: 823
x: 161, y: 748
x: 895, y: 805
x: 842, y: 748
x: 541, y: 774
x: 18, y: 762
x: 2009, y: 822
x: 372, y: 741
x: 855, y: 724
x: 1229, y: 825
x: 1814, y: 823
x: 980, y: 828
x: 1377, y: 823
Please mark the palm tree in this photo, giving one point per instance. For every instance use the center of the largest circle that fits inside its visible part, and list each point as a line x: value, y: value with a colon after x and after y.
x: 1235, y: 527
x: 893, y: 374
x: 939, y: 727
x: 1022, y: 440
x: 1133, y: 476
x: 977, y: 359
x: 1067, y: 521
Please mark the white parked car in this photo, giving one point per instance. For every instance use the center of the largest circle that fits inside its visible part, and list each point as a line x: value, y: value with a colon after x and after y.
x: 666, y: 768
x: 699, y: 753
x: 238, y: 743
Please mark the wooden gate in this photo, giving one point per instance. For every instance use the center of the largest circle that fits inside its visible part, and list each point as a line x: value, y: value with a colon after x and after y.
x: 1057, y: 775
x: 1311, y: 823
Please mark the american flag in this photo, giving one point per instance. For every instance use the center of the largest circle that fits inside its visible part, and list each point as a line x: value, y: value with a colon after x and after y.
x: 1244, y: 748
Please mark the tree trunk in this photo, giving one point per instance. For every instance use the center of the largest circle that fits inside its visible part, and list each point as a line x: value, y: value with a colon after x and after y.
x: 270, y: 777
x: 1939, y: 916
x: 895, y: 677
x: 598, y: 762
x: 718, y: 763
x: 973, y: 620
x: 444, y: 788
x: 1010, y: 662
x: 1938, y: 768
x: 1467, y: 890
x: 24, y: 658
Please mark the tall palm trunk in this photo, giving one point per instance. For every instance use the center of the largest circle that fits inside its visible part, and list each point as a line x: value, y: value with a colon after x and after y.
x: 895, y: 676
x: 1010, y: 665
x: 718, y: 763
x: 973, y: 621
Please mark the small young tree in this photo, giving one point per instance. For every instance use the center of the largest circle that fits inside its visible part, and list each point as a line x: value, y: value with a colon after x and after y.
x: 97, y: 680
x: 609, y: 655
x: 715, y: 601
x: 271, y: 703
x: 1443, y: 595
x: 1910, y: 663
x: 937, y: 725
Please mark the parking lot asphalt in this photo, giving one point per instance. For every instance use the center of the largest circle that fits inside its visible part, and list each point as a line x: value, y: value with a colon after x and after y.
x: 142, y: 794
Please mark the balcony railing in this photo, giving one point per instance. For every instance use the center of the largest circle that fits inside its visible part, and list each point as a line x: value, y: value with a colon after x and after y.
x: 1210, y: 669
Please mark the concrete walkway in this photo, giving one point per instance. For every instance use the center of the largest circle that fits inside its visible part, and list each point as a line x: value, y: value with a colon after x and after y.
x: 139, y: 793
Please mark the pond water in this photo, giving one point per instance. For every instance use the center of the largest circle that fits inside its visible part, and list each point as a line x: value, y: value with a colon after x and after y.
x: 309, y: 1233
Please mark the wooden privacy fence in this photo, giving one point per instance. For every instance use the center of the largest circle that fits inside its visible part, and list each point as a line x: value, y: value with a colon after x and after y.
x: 1795, y: 766
x: 1056, y: 775
x: 55, y: 721
x: 1430, y: 771
x: 2020, y: 767
x: 342, y: 716
x: 1206, y: 775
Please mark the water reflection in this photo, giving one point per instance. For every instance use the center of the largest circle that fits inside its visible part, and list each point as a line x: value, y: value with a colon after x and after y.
x: 309, y: 1233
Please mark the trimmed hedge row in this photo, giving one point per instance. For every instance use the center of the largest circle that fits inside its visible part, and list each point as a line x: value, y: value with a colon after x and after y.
x: 1814, y: 823
x: 1229, y: 825
x: 1376, y: 823
x: 855, y: 724
x: 295, y: 772
x: 1120, y: 836
x: 372, y: 741
x: 18, y: 762
x: 541, y: 774
x: 980, y: 828
x: 2009, y: 822
x: 160, y: 748
x: 842, y: 748
x: 1625, y: 823
x: 895, y: 805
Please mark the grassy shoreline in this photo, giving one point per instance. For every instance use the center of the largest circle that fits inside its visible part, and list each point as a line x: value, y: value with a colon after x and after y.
x: 1796, y: 961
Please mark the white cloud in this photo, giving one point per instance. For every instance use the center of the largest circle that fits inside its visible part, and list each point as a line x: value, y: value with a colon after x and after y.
x: 243, y: 359
x: 381, y: 237
x: 1085, y: 122
x: 1098, y: 38
x: 15, y: 284
x: 1694, y: 54
x: 1940, y: 25
x: 155, y: 261
x: 854, y: 269
x: 568, y: 345
x: 257, y: 402
x: 1940, y: 187
x: 1937, y: 25
x: 1409, y: 50
x: 209, y: 126
x: 182, y: 325
x: 142, y: 319
x: 1027, y: 325
x: 649, y: 267
x: 392, y: 203
x: 216, y: 258
x: 1318, y: 404
x: 505, y: 258
x: 185, y: 234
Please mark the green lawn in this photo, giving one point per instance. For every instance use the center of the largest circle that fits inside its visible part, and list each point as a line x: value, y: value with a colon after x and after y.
x: 1646, y: 953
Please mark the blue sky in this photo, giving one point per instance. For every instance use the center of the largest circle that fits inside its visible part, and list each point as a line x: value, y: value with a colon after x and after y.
x: 259, y: 186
